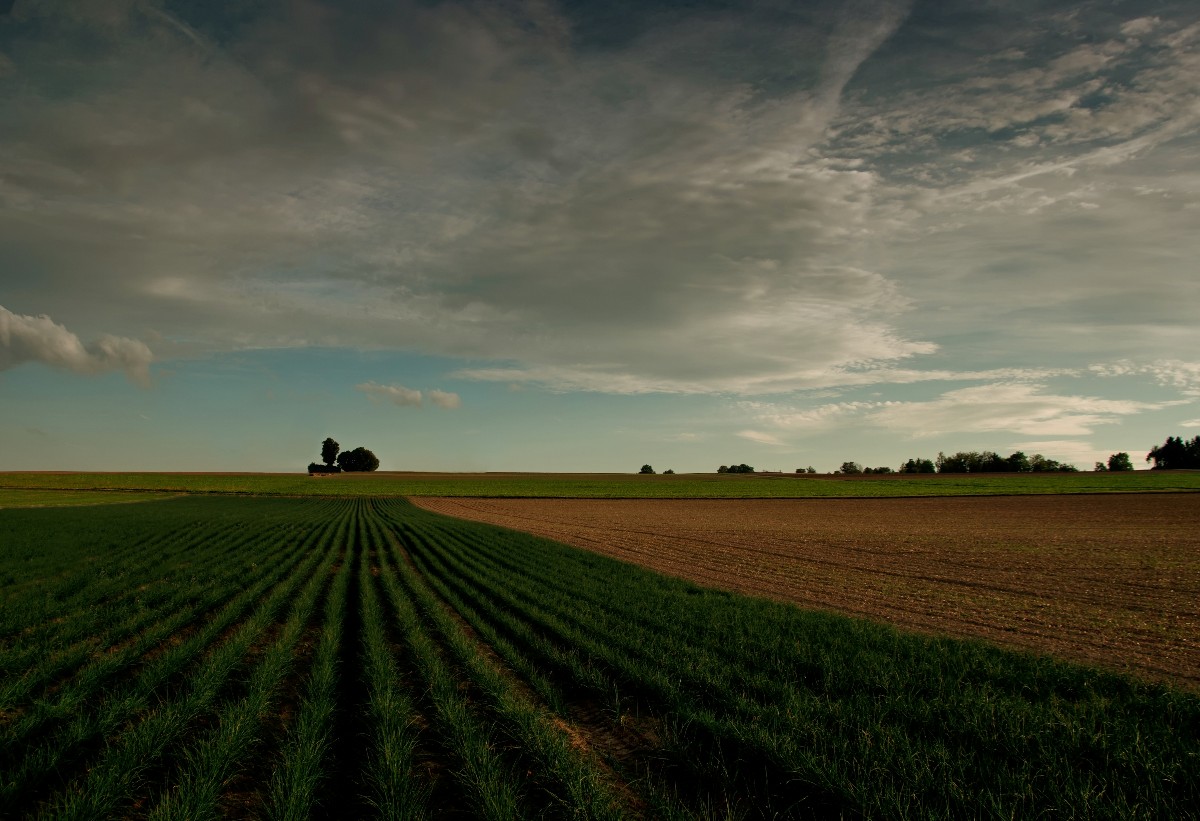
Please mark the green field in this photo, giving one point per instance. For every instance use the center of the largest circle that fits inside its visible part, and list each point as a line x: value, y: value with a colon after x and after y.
x: 610, y: 485
x: 18, y: 497
x: 289, y: 658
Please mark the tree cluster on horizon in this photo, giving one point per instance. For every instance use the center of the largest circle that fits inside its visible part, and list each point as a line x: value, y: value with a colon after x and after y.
x: 1117, y: 463
x: 1176, y: 454
x: 359, y: 460
x: 742, y: 468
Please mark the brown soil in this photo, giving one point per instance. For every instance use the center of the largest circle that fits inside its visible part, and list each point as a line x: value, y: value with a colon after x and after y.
x: 1110, y: 580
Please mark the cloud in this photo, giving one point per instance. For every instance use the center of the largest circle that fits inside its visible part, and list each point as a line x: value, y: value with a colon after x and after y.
x: 757, y: 201
x: 1175, y: 373
x: 1007, y: 407
x: 396, y: 394
x: 823, y: 417
x: 1190, y: 423
x: 468, y: 184
x: 26, y: 338
x: 408, y: 397
x: 762, y: 438
x: 444, y: 399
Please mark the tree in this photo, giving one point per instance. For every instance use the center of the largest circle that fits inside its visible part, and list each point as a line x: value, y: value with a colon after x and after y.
x: 329, y: 451
x: 1120, y: 461
x: 1040, y: 464
x: 1101, y: 467
x: 668, y: 472
x: 646, y: 469
x: 918, y: 466
x: 850, y: 468
x: 988, y: 461
x: 359, y: 460
x: 1176, y: 454
x: 1018, y: 462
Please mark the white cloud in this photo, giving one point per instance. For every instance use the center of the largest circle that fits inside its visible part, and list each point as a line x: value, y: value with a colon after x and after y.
x: 1190, y: 423
x: 823, y: 417
x: 762, y: 438
x: 26, y: 338
x: 1007, y: 407
x: 1175, y: 373
x: 396, y: 394
x: 1139, y: 26
x: 445, y: 399
x: 408, y: 397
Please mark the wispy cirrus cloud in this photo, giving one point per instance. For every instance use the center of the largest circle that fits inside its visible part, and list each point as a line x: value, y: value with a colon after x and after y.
x: 762, y: 438
x: 1016, y: 408
x: 1175, y: 373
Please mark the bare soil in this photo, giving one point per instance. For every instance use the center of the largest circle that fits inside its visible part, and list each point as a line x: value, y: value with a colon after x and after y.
x: 1109, y: 580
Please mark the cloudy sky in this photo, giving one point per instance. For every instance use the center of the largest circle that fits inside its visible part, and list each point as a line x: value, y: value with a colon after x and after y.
x: 538, y: 235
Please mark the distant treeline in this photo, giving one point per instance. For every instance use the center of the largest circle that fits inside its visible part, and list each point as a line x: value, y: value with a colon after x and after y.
x: 966, y: 461
x: 1174, y: 454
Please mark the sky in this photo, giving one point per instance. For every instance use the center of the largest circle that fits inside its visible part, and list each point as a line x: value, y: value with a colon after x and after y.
x: 583, y: 236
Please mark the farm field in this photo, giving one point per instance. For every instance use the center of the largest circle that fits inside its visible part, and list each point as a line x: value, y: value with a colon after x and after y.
x: 272, y: 658
x: 1106, y: 580
x: 610, y: 485
x: 71, y: 498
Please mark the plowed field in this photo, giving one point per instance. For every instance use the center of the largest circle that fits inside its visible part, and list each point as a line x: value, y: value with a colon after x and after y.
x: 1106, y: 580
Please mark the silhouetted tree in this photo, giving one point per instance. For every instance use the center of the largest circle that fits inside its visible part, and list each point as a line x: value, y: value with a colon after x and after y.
x: 646, y: 469
x: 918, y: 466
x: 1176, y: 454
x: 1040, y: 464
x: 850, y: 468
x: 1018, y: 462
x: 1120, y: 461
x: 973, y: 461
x: 359, y: 460
x: 742, y: 468
x: 668, y: 472
x: 329, y: 451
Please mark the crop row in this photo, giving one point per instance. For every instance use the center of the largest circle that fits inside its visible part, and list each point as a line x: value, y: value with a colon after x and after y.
x: 291, y: 659
x: 763, y: 710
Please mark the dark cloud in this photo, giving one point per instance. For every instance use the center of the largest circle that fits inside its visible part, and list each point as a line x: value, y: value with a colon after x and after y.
x: 699, y: 197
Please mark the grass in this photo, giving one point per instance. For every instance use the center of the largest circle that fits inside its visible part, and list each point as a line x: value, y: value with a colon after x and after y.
x: 582, y: 485
x: 804, y: 713
x: 458, y: 668
x: 53, y: 497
